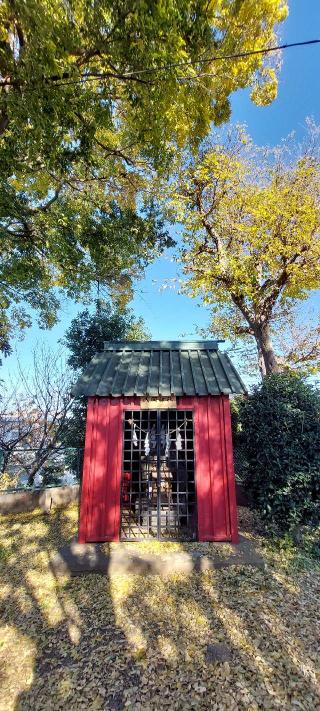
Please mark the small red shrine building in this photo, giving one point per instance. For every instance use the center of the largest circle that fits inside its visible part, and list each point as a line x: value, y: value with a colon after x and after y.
x: 158, y: 459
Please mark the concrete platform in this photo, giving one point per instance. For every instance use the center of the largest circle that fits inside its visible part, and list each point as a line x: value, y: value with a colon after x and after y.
x: 76, y: 559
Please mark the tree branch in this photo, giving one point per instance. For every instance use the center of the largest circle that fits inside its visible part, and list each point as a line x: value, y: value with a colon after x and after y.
x: 279, y: 283
x: 43, y: 208
x: 115, y: 152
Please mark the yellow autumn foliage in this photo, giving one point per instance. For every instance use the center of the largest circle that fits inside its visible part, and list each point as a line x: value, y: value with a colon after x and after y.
x: 251, y: 220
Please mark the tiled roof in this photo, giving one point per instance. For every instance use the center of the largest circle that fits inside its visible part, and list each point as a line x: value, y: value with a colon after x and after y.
x: 159, y: 368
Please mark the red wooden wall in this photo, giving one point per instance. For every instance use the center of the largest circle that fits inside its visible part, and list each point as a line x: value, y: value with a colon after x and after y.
x: 101, y: 480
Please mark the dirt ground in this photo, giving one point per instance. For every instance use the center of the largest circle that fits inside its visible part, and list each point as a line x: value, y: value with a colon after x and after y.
x: 143, y: 642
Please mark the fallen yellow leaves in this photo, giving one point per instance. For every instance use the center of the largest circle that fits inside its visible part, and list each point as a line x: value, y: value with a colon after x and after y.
x: 135, y: 642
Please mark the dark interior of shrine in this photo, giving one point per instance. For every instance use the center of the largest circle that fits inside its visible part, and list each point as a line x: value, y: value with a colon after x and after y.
x: 158, y: 476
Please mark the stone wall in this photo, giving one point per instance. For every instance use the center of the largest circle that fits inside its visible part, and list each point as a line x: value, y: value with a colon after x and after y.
x: 59, y: 497
x: 45, y: 499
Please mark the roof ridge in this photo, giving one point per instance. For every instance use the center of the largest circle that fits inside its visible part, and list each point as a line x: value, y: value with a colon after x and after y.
x: 161, y: 345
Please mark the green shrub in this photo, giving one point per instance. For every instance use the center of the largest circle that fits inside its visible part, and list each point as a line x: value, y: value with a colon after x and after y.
x: 278, y: 435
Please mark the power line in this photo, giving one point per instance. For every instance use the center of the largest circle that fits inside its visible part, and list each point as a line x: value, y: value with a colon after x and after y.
x: 191, y: 63
x: 217, y: 58
x: 136, y: 73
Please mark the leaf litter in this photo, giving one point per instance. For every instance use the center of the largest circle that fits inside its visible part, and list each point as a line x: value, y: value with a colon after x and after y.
x: 143, y: 642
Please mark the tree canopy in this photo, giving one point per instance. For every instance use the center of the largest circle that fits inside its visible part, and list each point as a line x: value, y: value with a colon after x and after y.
x: 251, y: 221
x: 93, y: 96
x: 84, y: 338
x: 123, y: 72
x: 89, y: 330
x: 81, y: 240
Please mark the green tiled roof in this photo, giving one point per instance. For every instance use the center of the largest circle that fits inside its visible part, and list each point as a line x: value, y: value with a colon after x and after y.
x: 159, y: 368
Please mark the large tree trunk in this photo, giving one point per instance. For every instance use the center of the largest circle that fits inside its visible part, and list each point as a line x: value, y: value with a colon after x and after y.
x: 268, y: 362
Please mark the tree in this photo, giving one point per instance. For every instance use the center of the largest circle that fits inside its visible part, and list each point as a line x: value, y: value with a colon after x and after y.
x: 93, y: 96
x: 251, y: 221
x: 299, y: 341
x: 16, y: 424
x: 79, y: 240
x: 278, y: 436
x: 86, y: 335
x: 84, y: 338
x: 125, y: 72
x: 35, y: 414
x: 295, y: 337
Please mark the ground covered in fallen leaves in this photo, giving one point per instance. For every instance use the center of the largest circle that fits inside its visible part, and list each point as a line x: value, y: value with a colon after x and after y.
x: 134, y: 642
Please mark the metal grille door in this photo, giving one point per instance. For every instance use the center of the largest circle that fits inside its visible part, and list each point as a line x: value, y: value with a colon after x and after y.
x: 158, y: 478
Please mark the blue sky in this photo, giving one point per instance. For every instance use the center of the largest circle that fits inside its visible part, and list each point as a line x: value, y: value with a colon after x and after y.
x: 169, y: 315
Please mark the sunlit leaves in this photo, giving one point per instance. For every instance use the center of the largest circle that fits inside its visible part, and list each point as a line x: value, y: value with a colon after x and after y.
x: 50, y: 51
x: 93, y: 98
x: 251, y: 221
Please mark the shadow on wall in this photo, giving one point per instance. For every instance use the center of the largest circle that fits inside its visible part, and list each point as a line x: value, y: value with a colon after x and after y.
x: 112, y: 642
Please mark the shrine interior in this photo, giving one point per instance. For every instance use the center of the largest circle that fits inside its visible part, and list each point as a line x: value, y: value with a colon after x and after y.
x: 158, y: 497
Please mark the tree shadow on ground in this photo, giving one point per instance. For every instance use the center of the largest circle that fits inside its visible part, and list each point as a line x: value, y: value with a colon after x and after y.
x: 61, y: 640
x: 115, y: 642
x: 179, y: 617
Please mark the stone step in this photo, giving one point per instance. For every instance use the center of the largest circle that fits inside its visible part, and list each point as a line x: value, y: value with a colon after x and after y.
x: 76, y: 559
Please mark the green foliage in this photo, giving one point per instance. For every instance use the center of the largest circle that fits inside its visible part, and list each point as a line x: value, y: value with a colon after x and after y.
x: 84, y: 121
x: 78, y: 75
x: 5, y: 347
x: 88, y: 331
x: 279, y: 437
x: 51, y: 475
x: 84, y: 338
x: 81, y: 239
x: 302, y: 554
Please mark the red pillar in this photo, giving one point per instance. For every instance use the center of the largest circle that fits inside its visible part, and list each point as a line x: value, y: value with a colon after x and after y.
x: 215, y: 483
x: 101, y: 479
x: 87, y: 461
x: 230, y: 470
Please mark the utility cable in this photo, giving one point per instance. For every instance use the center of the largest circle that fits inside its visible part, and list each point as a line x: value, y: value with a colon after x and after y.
x: 117, y: 74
